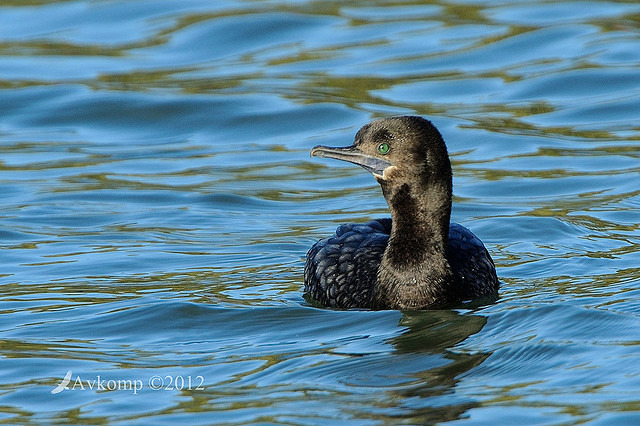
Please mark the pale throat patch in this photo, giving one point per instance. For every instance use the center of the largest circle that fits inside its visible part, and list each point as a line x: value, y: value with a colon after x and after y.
x: 386, y: 173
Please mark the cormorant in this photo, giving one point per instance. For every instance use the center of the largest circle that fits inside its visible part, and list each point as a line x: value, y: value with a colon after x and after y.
x: 416, y: 259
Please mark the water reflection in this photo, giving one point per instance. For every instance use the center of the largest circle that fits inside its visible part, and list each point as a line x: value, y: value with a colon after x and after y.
x: 437, y: 332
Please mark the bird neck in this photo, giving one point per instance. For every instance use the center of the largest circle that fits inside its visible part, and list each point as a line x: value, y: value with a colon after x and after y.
x: 414, y: 272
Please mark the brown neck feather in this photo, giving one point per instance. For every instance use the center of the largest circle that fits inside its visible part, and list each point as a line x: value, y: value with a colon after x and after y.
x: 414, y: 272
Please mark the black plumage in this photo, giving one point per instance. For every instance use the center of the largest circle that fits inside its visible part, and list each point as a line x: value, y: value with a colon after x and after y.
x: 416, y: 259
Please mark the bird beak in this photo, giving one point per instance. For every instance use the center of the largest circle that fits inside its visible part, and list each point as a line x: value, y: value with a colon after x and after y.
x: 353, y: 155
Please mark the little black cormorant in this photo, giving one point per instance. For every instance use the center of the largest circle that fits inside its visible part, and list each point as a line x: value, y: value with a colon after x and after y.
x: 415, y: 260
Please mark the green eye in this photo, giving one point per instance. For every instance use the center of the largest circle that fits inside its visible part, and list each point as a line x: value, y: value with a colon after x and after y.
x: 383, y: 148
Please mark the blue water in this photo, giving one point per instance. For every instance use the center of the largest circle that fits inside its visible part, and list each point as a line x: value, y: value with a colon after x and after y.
x: 158, y: 200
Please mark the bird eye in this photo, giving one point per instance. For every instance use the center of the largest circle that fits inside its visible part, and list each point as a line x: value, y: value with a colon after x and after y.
x: 383, y: 148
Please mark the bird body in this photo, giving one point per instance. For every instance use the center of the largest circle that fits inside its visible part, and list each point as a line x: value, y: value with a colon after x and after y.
x: 415, y: 260
x: 342, y: 269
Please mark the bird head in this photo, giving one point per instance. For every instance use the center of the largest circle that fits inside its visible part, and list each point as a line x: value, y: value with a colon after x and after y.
x: 396, y: 150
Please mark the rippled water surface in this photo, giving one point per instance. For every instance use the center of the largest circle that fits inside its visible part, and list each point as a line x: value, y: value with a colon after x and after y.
x: 158, y: 200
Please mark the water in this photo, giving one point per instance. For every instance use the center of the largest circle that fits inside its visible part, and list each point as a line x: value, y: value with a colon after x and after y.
x: 158, y: 201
